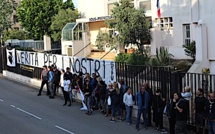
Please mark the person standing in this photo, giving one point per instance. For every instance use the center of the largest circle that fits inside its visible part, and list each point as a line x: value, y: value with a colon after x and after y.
x: 44, y: 81
x: 62, y: 82
x: 149, y: 90
x: 87, y: 95
x: 142, y: 98
x: 69, y: 75
x: 123, y: 90
x: 210, y: 109
x: 128, y: 100
x: 67, y: 89
x: 182, y: 116
x: 199, y: 110
x: 158, y: 107
x: 50, y: 82
x: 56, y: 82
x: 171, y: 112
x: 108, y: 99
x: 101, y: 88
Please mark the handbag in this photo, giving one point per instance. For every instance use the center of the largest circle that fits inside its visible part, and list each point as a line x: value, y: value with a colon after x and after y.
x: 109, y: 101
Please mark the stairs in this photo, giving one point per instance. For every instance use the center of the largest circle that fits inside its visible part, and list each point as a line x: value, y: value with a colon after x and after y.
x: 97, y: 55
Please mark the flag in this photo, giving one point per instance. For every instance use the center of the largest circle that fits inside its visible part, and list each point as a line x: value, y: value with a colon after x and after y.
x: 115, y: 33
x: 158, y: 9
x: 82, y: 99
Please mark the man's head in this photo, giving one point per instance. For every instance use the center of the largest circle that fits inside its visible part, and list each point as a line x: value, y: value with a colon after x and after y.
x: 49, y: 68
x: 143, y: 89
x: 44, y: 67
x: 200, y: 92
x: 129, y: 90
x: 145, y: 84
x: 212, y: 96
x: 93, y: 75
x: 67, y: 69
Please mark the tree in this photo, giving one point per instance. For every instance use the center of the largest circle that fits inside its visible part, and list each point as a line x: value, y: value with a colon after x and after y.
x: 6, y: 9
x: 36, y: 15
x: 190, y: 50
x: 131, y: 23
x: 60, y: 20
x: 68, y: 5
x: 15, y: 34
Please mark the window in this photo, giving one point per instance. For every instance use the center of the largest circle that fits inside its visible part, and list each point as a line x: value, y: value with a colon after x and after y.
x: 165, y: 23
x: 186, y: 30
x: 145, y: 5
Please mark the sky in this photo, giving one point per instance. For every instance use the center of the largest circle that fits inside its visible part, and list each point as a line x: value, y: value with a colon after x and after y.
x: 75, y: 2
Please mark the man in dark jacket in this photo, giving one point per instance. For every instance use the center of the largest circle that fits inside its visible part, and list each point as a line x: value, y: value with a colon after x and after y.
x: 142, y: 98
x: 210, y: 109
x: 149, y: 90
x: 56, y: 79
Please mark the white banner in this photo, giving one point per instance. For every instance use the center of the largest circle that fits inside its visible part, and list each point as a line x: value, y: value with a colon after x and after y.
x: 105, y: 69
x: 11, y: 58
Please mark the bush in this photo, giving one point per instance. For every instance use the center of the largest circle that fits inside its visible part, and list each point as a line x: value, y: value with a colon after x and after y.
x: 122, y: 57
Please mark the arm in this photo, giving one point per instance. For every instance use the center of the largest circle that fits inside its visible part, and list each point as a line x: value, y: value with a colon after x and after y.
x: 178, y: 107
x: 124, y: 98
x: 41, y: 77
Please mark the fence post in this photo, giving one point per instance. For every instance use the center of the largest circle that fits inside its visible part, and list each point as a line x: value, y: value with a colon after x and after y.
x: 174, y: 82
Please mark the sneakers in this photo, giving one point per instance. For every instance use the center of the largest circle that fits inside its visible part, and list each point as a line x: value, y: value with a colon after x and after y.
x: 156, y: 129
x: 163, y: 131
x: 112, y: 121
x: 38, y: 94
x: 51, y: 97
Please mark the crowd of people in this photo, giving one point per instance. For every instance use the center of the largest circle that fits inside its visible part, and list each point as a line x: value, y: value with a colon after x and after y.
x: 116, y: 99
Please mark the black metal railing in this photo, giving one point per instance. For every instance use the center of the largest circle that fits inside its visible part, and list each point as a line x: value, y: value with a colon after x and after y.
x: 82, y: 49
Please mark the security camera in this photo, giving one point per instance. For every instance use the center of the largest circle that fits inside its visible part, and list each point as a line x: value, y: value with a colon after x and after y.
x: 200, y: 22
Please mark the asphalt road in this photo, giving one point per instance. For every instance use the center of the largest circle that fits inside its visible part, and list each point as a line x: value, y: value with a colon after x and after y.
x: 23, y: 112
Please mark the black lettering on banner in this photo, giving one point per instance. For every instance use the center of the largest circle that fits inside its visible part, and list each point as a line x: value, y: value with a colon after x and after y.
x: 45, y: 58
x: 26, y: 58
x: 22, y: 57
x: 104, y: 68
x: 49, y: 57
x: 97, y: 67
x: 18, y: 57
x: 82, y: 65
x: 71, y: 62
x: 79, y: 66
x: 90, y: 65
x: 36, y: 59
x: 31, y: 58
x: 54, y: 59
x: 62, y: 62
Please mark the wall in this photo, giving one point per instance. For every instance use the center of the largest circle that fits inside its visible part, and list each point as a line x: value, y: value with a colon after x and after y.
x: 92, y: 8
x: 94, y: 28
x: 65, y: 45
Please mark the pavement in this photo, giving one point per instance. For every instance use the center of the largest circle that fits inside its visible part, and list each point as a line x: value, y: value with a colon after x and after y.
x: 23, y: 112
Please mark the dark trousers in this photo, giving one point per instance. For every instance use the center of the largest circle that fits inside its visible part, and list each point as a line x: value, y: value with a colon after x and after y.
x: 150, y: 115
x: 55, y: 87
x: 144, y: 113
x: 159, y: 120
x: 181, y: 127
x: 211, y: 127
x: 66, y: 97
x: 172, y: 122
x: 42, y: 85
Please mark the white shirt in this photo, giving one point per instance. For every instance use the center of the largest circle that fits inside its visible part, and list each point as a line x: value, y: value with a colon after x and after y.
x: 127, y: 99
x: 66, y: 84
x: 61, y: 80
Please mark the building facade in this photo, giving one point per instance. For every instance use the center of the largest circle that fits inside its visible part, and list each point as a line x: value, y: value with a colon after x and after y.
x: 181, y: 22
x: 14, y: 17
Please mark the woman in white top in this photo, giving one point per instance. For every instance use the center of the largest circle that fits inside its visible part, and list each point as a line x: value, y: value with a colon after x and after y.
x: 67, y: 89
x: 129, y: 102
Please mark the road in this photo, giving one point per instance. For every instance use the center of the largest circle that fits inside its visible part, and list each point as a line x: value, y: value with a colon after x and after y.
x: 23, y: 112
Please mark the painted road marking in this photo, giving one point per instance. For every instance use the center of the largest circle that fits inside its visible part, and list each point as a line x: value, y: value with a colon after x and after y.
x: 63, y: 129
x: 1, y: 100
x: 29, y: 113
x: 12, y: 106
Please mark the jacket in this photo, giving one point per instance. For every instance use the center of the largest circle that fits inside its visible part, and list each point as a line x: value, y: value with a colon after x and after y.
x: 158, y: 104
x: 139, y: 100
x: 210, y: 115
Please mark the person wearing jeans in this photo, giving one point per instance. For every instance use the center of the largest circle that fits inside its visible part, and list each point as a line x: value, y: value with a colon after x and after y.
x: 44, y: 79
x: 50, y: 82
x: 128, y: 101
x: 210, y: 109
x: 142, y: 98
x: 87, y: 96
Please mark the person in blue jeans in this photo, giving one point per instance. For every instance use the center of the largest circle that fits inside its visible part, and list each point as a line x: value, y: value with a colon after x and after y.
x: 210, y: 109
x: 142, y: 98
x: 128, y: 100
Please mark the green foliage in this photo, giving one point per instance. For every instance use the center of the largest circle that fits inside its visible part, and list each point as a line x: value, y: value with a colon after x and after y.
x: 15, y: 34
x: 122, y: 57
x: 60, y: 20
x: 106, y: 39
x: 36, y: 15
x: 68, y: 5
x: 182, y: 66
x: 6, y: 9
x: 135, y: 58
x: 190, y: 50
x: 131, y: 23
x: 162, y: 57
